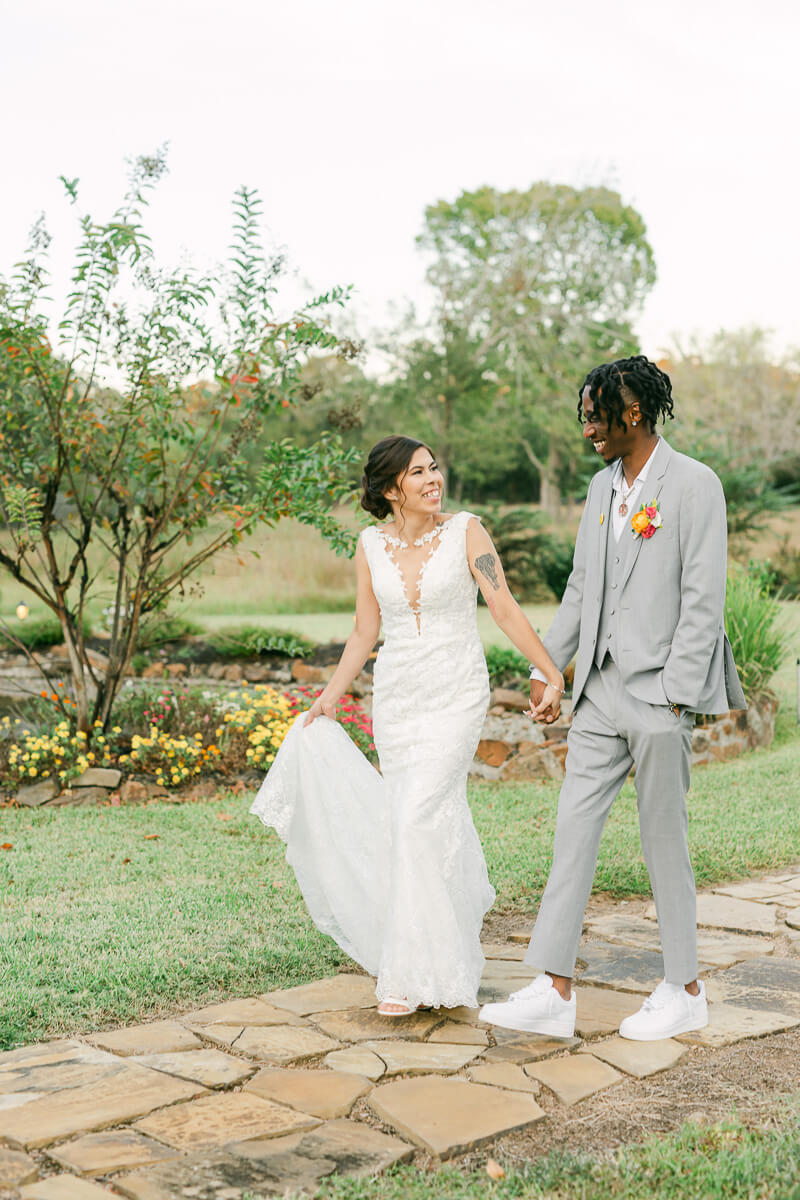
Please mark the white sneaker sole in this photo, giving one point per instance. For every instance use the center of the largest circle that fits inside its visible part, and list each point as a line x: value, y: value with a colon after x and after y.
x: 543, y: 1025
x: 688, y: 1026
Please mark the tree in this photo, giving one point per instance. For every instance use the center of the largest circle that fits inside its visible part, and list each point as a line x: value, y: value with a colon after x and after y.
x: 446, y: 395
x: 738, y: 409
x: 539, y: 285
x: 138, y: 468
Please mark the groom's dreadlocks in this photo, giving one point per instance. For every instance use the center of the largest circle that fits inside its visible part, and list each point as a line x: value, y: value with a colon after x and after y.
x: 613, y: 387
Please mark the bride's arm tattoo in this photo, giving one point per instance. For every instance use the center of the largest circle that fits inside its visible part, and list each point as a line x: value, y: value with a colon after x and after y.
x: 485, y: 564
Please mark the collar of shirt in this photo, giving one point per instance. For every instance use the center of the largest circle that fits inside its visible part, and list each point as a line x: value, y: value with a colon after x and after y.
x: 617, y: 482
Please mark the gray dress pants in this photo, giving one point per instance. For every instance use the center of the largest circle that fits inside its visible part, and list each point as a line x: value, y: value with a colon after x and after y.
x: 611, y: 731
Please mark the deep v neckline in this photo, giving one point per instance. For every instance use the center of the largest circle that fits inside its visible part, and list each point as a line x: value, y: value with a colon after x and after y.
x: 389, y: 543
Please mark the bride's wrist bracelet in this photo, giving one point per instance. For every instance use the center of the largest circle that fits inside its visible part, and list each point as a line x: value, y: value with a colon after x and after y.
x: 556, y: 688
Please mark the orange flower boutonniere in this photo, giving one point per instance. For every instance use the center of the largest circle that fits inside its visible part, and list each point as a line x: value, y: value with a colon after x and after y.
x: 646, y: 521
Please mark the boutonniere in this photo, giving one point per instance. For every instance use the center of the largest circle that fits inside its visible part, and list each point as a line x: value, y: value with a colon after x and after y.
x: 646, y: 521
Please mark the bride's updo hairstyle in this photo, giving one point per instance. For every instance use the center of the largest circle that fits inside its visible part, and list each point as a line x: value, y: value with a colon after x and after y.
x: 387, y: 461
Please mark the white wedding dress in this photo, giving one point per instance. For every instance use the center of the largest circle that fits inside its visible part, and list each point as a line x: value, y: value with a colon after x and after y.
x: 390, y: 865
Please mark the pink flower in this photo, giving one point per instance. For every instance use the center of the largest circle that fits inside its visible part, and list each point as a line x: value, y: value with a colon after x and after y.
x: 650, y: 511
x: 648, y: 533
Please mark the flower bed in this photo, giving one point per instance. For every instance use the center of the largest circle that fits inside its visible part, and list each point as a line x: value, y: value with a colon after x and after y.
x: 169, y: 737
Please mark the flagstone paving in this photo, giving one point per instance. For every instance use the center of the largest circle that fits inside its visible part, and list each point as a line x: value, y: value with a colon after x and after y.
x: 714, y: 947
x: 504, y: 1075
x: 212, y: 1068
x: 459, y: 1031
x: 423, y: 1058
x: 272, y: 1093
x: 16, y: 1168
x: 162, y: 1037
x: 112, y: 1150
x: 447, y: 1116
x: 574, y: 1076
x: 321, y: 1093
x: 771, y: 983
x: 64, y: 1187
x: 216, y: 1120
x: 726, y: 912
x: 638, y: 1058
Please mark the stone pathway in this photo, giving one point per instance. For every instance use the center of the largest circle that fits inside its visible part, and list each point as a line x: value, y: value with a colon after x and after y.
x: 270, y: 1094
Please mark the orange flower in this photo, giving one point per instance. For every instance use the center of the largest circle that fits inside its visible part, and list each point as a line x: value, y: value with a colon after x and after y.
x: 639, y: 522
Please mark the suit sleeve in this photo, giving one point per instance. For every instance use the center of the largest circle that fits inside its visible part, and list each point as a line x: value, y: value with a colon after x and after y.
x: 561, y: 640
x: 704, y: 563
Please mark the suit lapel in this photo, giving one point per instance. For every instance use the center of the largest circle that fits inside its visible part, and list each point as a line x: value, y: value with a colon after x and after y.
x: 604, y: 519
x: 650, y: 492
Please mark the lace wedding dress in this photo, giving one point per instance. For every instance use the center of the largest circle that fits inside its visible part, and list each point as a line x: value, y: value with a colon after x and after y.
x: 390, y: 865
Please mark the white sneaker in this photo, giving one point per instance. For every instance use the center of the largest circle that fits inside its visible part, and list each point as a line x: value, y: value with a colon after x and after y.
x: 669, y: 1010
x: 536, y: 1008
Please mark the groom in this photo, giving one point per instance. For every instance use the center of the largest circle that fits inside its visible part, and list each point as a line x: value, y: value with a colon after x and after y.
x: 643, y: 607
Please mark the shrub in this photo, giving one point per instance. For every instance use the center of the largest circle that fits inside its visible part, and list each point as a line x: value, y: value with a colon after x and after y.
x: 752, y: 621
x: 37, y: 634
x: 172, y: 760
x: 246, y: 641
x: 160, y: 631
x: 27, y: 756
x: 351, y: 716
x: 252, y: 732
x: 506, y: 666
x: 785, y: 569
x: 177, y: 711
x: 536, y: 561
x: 171, y: 736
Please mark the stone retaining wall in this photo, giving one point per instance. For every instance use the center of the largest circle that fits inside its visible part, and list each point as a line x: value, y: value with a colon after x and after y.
x: 513, y: 747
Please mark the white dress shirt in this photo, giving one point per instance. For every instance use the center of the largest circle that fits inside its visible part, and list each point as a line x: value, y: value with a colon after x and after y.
x: 619, y: 521
x: 621, y: 491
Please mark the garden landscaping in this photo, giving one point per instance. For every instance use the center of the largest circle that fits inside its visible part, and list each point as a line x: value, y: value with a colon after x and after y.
x: 191, y: 716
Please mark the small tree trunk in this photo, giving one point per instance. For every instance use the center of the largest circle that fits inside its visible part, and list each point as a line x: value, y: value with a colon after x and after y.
x: 120, y: 653
x: 76, y: 666
x: 550, y: 498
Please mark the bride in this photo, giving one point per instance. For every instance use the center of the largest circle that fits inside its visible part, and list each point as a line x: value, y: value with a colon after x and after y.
x: 390, y: 864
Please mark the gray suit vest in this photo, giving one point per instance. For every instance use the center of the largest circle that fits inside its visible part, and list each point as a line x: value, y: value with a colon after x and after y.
x: 617, y: 555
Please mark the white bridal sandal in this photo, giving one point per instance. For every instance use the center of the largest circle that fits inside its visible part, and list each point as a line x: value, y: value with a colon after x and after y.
x: 406, y: 1009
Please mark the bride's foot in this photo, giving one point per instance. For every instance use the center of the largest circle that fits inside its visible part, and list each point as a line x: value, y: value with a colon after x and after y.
x: 396, y: 1008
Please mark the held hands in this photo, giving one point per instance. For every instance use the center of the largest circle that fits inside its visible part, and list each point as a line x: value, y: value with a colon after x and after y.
x: 320, y: 708
x: 545, y: 702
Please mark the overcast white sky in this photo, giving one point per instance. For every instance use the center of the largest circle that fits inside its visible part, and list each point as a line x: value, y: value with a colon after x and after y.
x: 351, y: 116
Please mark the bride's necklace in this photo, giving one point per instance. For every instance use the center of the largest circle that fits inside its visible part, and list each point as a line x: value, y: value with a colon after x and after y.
x: 400, y: 543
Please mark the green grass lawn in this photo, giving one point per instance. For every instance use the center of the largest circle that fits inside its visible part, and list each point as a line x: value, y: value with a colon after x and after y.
x: 722, y: 1162
x: 112, y: 915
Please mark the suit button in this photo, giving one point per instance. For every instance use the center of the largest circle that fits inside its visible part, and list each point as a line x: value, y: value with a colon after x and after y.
x: 611, y: 613
x: 613, y: 586
x: 616, y: 560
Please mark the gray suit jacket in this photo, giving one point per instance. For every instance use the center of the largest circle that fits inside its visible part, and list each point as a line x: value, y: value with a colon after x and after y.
x: 672, y: 646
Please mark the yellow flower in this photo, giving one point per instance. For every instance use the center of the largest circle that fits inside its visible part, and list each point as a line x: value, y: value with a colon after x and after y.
x: 639, y: 522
